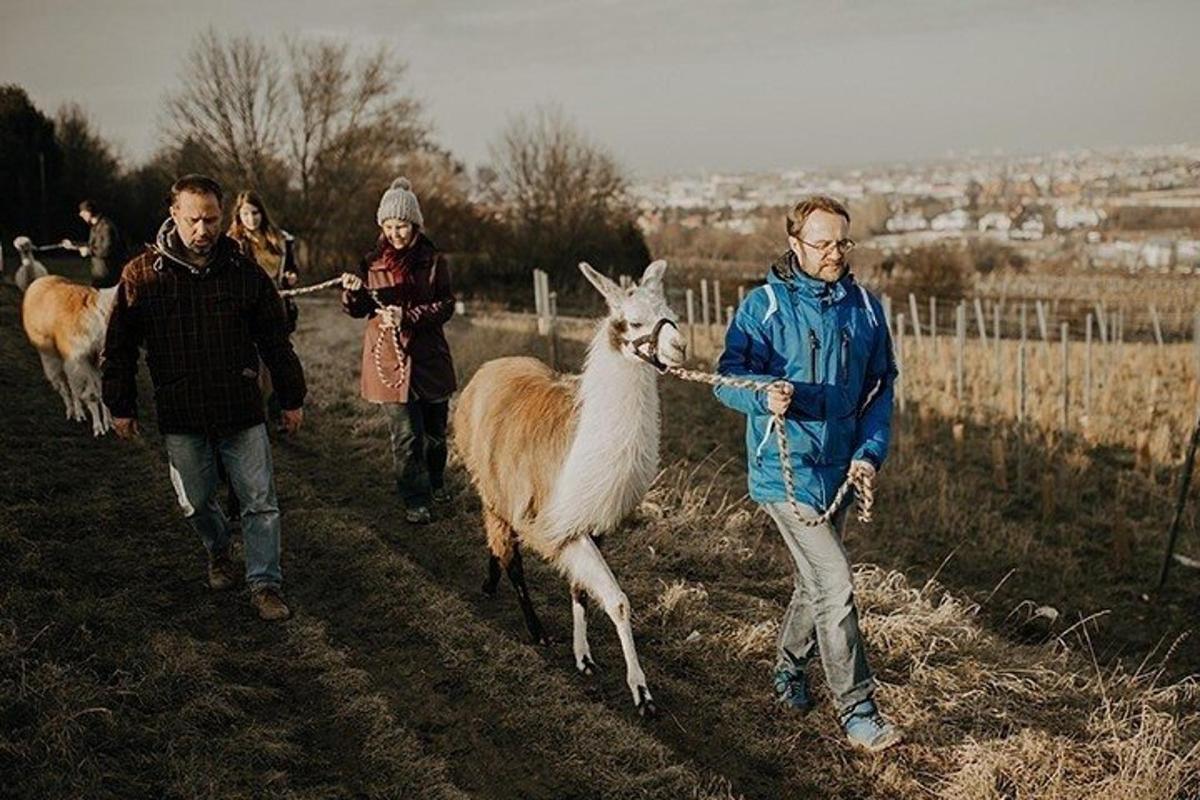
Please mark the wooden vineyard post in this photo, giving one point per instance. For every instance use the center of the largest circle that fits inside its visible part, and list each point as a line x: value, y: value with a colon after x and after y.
x: 1021, y: 389
x: 1087, y: 371
x: 960, y: 344
x: 933, y: 329
x: 691, y: 322
x: 717, y: 303
x: 1066, y: 376
x: 916, y: 322
x: 902, y: 380
x: 1185, y: 481
x: 1157, y: 323
x: 553, y: 328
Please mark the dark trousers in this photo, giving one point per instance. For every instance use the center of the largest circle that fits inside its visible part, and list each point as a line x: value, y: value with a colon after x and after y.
x: 418, y: 435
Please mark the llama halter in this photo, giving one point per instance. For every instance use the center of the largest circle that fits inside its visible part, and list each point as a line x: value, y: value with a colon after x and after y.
x: 650, y: 342
x: 864, y: 492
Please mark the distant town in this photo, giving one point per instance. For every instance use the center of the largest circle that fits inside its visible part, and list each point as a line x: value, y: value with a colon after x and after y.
x: 1127, y: 210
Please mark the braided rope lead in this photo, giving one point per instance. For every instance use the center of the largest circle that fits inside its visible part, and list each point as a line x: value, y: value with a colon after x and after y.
x: 377, y: 347
x: 863, y: 490
x: 316, y: 287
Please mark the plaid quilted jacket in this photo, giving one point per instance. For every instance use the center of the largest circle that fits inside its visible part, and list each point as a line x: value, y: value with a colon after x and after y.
x: 203, y: 332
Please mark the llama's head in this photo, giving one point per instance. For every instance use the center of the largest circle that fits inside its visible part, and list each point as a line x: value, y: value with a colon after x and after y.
x: 24, y: 246
x: 641, y: 326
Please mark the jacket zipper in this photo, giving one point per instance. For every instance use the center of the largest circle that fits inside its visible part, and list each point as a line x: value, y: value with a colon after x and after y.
x: 845, y: 365
x: 814, y: 345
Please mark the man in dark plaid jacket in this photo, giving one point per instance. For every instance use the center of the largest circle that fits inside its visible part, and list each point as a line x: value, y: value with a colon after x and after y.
x: 205, y: 313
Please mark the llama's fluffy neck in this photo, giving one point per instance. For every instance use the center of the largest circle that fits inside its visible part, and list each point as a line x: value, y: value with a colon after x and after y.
x: 614, y: 455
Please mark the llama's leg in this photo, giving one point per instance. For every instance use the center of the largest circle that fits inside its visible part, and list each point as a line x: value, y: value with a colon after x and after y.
x: 583, y: 653
x: 77, y: 379
x: 587, y: 569
x: 516, y: 575
x: 500, y: 541
x: 52, y: 366
x: 493, y: 576
x: 85, y: 386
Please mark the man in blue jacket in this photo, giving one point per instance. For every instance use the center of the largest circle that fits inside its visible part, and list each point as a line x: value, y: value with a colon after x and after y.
x: 823, y: 340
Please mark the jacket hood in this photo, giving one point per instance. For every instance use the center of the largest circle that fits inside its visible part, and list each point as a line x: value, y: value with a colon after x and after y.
x: 785, y: 272
x: 167, y: 245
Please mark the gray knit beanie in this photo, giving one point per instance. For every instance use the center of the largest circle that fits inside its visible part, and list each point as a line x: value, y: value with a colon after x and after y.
x: 400, y: 203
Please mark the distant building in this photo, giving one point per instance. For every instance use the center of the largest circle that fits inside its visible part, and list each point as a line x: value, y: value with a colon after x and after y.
x: 995, y: 221
x: 742, y: 225
x: 1158, y: 254
x: 1031, y: 229
x: 1068, y: 218
x: 956, y: 220
x: 907, y: 221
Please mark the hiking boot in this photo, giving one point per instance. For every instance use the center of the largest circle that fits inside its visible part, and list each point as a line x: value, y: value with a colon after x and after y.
x: 418, y: 515
x: 442, y: 496
x: 268, y: 602
x: 791, y: 688
x: 866, y: 728
x: 222, y: 572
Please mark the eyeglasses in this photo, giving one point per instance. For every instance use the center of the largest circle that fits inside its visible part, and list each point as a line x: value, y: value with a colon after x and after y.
x: 843, y: 245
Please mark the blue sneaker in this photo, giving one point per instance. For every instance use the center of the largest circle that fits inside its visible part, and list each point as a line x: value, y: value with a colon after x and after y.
x: 791, y: 687
x: 866, y: 728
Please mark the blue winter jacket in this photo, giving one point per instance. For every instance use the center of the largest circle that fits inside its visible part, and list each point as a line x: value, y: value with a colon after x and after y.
x: 832, y: 342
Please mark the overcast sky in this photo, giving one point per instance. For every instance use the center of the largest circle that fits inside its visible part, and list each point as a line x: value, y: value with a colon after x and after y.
x: 681, y: 85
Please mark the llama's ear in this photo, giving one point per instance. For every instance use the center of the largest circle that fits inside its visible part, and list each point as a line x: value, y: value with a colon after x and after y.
x: 653, y: 276
x: 610, y: 290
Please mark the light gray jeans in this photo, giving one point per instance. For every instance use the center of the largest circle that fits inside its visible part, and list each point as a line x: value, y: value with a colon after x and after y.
x: 821, y: 616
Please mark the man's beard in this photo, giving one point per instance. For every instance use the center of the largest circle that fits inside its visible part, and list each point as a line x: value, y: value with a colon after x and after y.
x: 831, y: 271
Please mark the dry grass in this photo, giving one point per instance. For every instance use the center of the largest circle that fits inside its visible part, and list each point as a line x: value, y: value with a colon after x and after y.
x: 397, y: 678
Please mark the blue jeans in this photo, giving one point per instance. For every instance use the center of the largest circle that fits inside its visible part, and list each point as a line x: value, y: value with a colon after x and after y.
x: 247, y: 458
x: 821, y: 616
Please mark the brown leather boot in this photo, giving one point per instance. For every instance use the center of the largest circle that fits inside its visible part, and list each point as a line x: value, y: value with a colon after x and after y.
x: 222, y: 572
x: 268, y: 602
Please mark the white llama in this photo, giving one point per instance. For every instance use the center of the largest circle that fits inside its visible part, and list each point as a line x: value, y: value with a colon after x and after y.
x: 31, y: 269
x: 560, y: 460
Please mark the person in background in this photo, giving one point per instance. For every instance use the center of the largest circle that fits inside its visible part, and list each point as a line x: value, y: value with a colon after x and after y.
x: 105, y: 246
x: 273, y: 249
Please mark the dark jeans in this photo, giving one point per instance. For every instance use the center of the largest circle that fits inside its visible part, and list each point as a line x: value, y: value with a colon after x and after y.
x: 418, y: 434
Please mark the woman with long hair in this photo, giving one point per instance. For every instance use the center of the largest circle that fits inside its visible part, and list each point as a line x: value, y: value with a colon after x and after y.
x: 271, y: 247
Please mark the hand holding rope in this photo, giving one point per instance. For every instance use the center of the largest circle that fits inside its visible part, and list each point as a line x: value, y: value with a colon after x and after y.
x: 859, y: 480
x: 389, y: 325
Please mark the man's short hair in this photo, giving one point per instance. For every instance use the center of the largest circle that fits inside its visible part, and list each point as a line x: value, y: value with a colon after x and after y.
x: 818, y: 202
x: 88, y: 206
x: 196, y: 184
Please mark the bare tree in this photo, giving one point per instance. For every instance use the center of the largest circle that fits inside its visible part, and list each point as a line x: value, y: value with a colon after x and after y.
x: 232, y: 100
x: 319, y: 132
x: 348, y: 134
x: 562, y: 194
